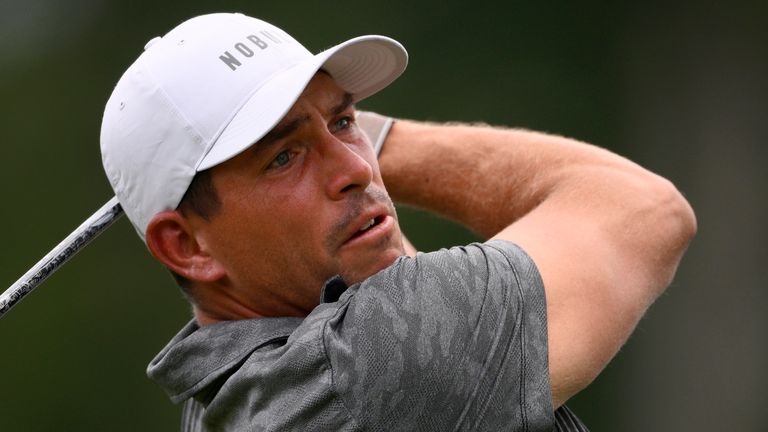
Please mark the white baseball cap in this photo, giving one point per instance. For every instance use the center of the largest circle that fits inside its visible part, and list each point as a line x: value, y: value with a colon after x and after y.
x: 208, y: 90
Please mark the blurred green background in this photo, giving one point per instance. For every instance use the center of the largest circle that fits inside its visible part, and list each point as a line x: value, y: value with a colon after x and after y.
x: 680, y: 87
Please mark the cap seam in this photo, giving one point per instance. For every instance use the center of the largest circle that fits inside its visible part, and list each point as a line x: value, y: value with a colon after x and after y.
x: 174, y: 107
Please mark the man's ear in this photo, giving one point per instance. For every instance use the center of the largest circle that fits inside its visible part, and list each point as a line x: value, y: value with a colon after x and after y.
x: 173, y: 241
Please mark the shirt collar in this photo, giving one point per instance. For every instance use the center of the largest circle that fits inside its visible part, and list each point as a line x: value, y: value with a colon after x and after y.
x: 333, y: 289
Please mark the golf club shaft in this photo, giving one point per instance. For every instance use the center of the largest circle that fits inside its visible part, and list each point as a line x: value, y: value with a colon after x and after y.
x: 87, y: 231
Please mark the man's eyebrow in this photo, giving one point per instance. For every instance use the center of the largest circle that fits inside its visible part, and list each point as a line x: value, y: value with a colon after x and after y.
x: 281, y: 131
x: 346, y: 102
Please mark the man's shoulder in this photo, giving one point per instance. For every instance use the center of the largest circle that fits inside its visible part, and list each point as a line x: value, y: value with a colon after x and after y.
x: 475, y: 256
x: 464, y: 325
x: 460, y: 267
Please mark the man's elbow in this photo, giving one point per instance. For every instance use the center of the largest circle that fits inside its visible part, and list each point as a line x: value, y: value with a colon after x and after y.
x: 686, y: 220
x: 674, y: 225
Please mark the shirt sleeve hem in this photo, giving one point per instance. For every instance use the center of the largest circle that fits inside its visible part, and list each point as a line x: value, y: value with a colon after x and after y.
x: 536, y: 394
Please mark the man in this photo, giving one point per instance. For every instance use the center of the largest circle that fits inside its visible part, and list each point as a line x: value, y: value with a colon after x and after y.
x: 240, y: 159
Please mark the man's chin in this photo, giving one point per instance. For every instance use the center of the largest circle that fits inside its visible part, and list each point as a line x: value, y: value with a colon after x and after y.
x: 358, y: 273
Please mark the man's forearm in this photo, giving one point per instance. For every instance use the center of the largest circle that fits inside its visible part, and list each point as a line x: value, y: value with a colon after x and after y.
x: 482, y: 177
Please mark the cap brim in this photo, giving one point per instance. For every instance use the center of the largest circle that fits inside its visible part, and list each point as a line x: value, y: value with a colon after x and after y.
x: 362, y: 66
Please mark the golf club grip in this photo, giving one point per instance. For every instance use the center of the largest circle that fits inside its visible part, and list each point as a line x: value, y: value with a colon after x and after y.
x: 87, y: 231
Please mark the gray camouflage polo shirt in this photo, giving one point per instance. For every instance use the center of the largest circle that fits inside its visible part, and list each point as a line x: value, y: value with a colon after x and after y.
x: 453, y: 340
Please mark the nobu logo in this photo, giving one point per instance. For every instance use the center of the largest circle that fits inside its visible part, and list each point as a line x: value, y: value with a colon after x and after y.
x: 248, y: 49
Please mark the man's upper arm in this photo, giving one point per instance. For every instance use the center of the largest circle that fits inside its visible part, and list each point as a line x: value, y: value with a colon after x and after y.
x: 600, y: 274
x: 571, y: 263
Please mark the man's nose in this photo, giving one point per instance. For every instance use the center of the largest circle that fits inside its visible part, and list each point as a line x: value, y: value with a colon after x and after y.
x: 346, y: 170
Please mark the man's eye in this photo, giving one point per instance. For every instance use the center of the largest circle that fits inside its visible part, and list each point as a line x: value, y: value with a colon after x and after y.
x: 343, y: 123
x: 281, y: 159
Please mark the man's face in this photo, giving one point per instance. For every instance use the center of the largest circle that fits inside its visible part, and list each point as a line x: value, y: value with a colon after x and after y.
x: 297, y: 208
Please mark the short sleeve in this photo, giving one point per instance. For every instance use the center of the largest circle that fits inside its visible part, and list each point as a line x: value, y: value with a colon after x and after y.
x: 449, y: 340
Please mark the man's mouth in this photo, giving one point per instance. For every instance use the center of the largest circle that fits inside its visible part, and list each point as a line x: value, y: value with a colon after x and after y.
x: 368, y: 225
x: 369, y: 219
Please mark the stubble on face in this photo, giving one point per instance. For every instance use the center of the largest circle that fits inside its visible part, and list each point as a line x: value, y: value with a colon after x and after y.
x: 339, y: 234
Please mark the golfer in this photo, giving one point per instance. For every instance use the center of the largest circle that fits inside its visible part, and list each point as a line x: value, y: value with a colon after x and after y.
x: 241, y: 161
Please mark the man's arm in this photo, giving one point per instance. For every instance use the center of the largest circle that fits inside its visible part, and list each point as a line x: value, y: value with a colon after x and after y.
x: 606, y: 234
